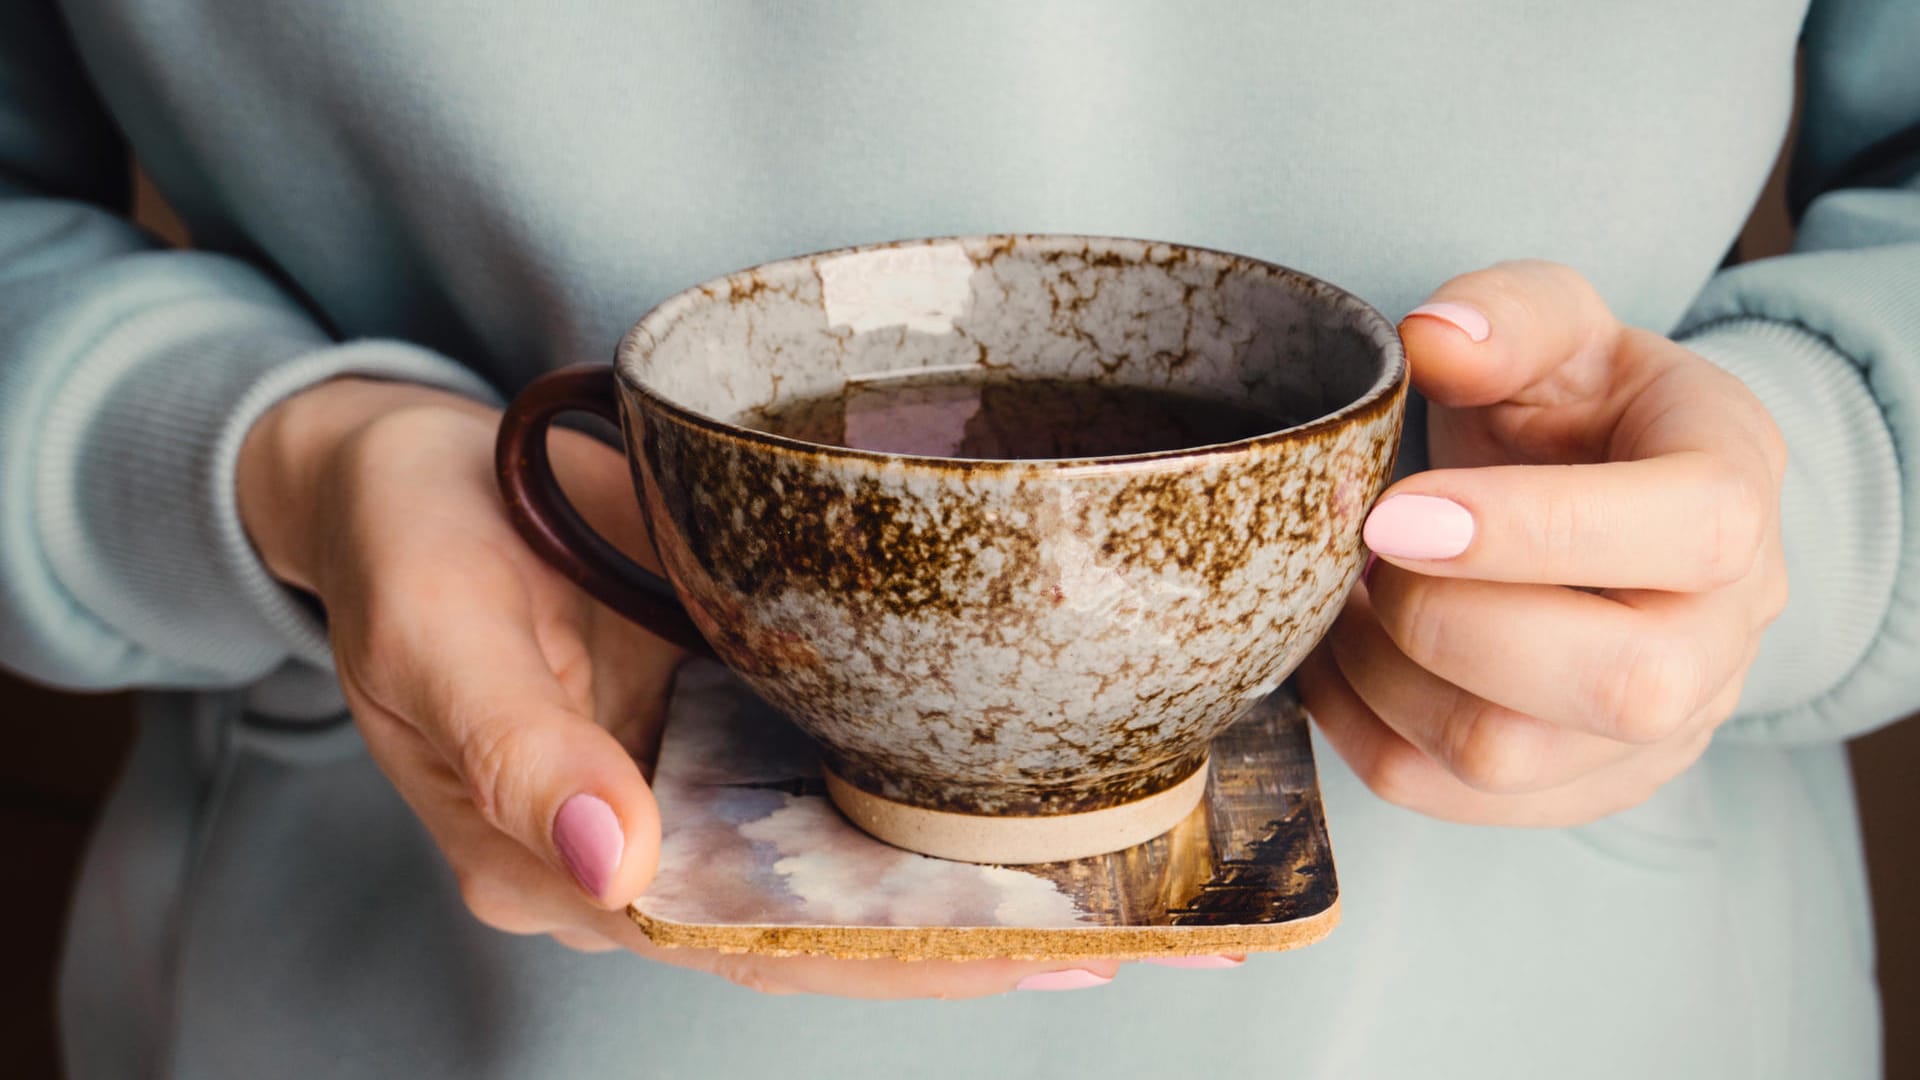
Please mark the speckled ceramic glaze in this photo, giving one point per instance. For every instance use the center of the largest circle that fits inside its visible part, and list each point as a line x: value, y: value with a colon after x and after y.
x: 1004, y: 655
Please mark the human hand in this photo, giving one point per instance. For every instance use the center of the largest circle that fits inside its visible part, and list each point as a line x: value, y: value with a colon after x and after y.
x: 1564, y: 610
x: 513, y: 713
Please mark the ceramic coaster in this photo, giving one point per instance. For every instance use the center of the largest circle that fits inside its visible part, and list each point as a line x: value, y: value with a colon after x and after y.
x: 754, y: 857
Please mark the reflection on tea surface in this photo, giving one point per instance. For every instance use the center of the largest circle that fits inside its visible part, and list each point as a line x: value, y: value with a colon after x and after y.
x: 971, y: 414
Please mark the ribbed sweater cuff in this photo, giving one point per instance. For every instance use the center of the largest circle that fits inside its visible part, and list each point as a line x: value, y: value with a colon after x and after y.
x: 1840, y: 520
x: 135, y: 492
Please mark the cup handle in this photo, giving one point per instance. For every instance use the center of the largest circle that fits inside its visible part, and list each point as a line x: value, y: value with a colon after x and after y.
x: 550, y: 524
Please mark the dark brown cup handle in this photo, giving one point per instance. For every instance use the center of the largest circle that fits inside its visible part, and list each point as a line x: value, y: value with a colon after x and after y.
x: 550, y: 524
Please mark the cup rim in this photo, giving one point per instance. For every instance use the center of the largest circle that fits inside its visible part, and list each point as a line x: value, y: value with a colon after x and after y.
x: 653, y: 327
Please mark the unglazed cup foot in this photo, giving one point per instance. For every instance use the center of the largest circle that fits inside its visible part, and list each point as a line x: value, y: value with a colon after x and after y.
x: 1017, y: 841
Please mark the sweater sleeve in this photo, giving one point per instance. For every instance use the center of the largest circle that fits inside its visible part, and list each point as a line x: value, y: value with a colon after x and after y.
x: 128, y: 377
x: 1828, y: 337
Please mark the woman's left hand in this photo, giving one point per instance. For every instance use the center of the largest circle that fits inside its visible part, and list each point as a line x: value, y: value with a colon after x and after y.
x: 1564, y: 609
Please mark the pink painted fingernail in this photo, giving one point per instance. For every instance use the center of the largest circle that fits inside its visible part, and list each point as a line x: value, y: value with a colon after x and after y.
x: 1419, y: 527
x: 1070, y: 979
x: 1197, y: 963
x: 587, y: 832
x: 1459, y: 316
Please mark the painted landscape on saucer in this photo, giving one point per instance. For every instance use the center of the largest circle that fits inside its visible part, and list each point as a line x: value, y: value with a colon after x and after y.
x: 754, y: 856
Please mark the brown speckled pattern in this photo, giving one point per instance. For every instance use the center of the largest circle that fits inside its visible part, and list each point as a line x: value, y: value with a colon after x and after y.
x: 1018, y: 637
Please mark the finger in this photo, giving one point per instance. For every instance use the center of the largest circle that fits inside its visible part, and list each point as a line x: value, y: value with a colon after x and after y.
x: 584, y: 941
x: 1491, y: 335
x: 1689, y: 492
x: 1487, y: 746
x: 1397, y: 772
x: 1687, y: 521
x: 1689, y: 404
x: 633, y: 686
x: 504, y: 885
x: 465, y: 668
x: 1391, y: 767
x: 1629, y: 671
x: 889, y: 980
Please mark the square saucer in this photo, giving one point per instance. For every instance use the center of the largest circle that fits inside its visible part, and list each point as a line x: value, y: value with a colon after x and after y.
x: 755, y: 858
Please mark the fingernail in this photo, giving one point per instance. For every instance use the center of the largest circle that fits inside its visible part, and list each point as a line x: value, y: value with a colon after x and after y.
x: 1459, y: 316
x: 1070, y: 979
x: 1419, y: 527
x: 587, y: 832
x: 1197, y: 963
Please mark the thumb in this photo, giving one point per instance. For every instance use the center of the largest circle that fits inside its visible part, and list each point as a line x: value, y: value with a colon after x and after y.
x: 535, y: 766
x: 587, y: 804
x: 1486, y: 337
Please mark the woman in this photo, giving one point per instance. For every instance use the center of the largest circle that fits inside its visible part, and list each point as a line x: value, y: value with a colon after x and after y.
x: 253, y: 477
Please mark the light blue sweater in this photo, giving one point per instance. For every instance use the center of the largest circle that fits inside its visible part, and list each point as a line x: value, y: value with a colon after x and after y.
x: 470, y: 194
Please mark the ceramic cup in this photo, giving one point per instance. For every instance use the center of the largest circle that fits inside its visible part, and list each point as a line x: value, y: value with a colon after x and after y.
x: 1006, y: 661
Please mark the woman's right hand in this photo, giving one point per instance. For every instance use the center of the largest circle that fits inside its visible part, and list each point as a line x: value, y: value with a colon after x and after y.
x: 513, y: 713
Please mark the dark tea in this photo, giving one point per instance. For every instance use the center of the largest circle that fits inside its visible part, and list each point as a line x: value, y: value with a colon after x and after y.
x: 972, y: 414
